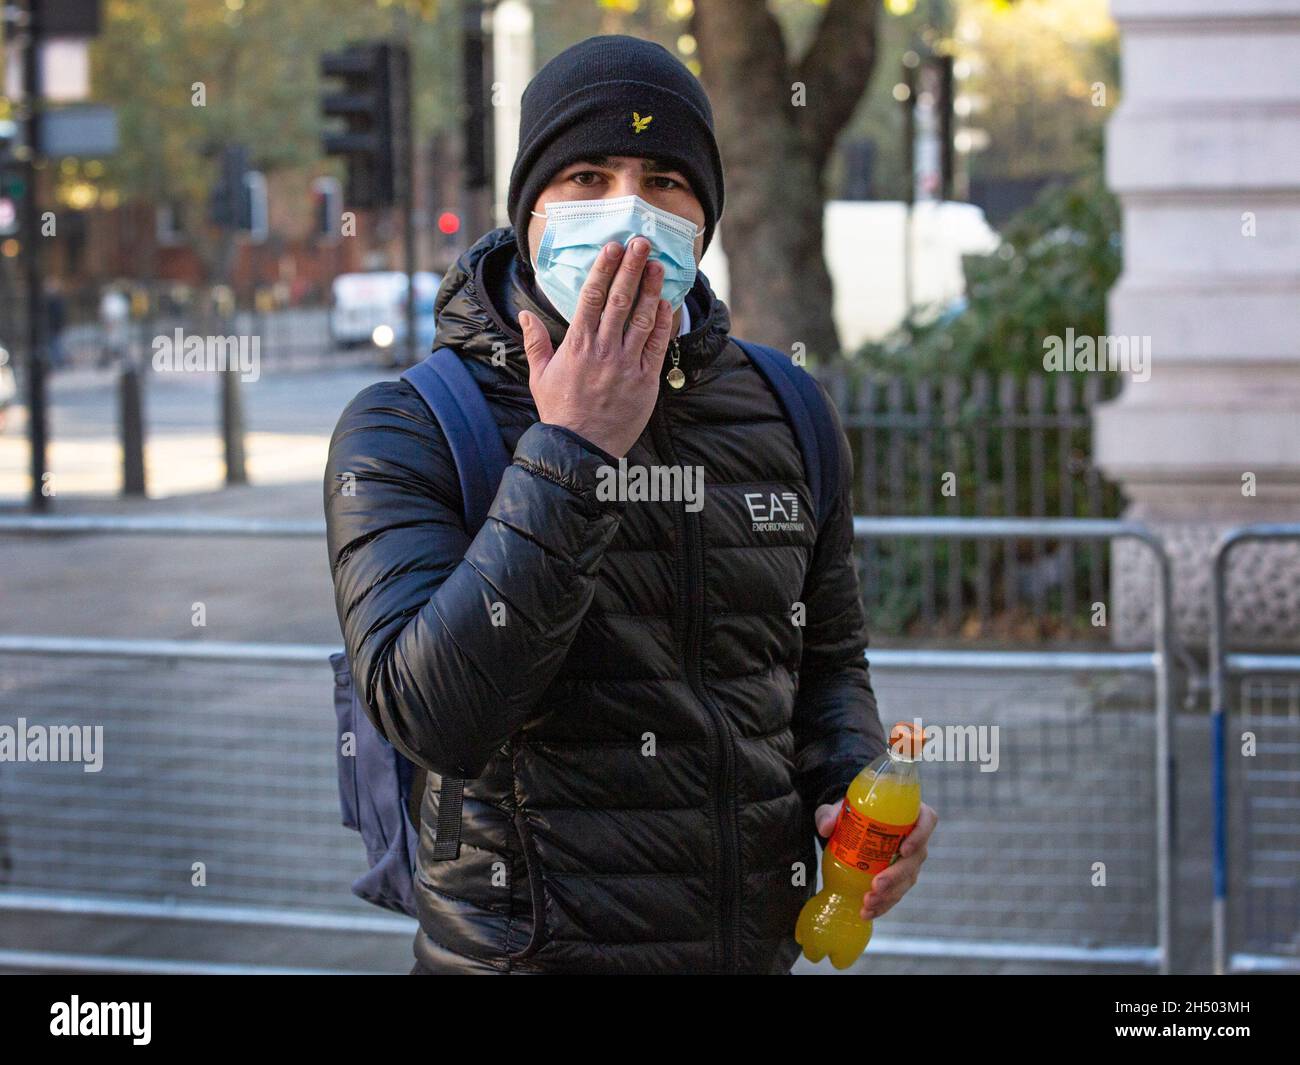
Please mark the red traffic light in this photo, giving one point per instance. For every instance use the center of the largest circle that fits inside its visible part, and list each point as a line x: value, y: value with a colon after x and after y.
x: 448, y: 223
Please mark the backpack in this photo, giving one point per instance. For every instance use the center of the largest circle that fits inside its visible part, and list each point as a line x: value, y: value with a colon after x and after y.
x: 379, y: 789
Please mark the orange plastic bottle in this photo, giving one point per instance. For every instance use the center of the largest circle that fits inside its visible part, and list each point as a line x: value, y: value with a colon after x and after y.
x: 880, y: 809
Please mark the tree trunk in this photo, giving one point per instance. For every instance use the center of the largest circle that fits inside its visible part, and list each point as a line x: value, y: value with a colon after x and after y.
x: 777, y: 121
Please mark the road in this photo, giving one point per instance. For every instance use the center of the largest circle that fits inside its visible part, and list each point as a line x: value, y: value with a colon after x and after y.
x: 289, y: 417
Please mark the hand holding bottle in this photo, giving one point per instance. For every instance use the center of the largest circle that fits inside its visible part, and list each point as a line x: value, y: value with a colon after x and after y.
x: 878, y: 837
x: 889, y: 887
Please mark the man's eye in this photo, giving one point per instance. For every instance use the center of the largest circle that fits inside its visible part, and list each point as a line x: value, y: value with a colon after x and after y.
x: 665, y: 183
x: 585, y: 177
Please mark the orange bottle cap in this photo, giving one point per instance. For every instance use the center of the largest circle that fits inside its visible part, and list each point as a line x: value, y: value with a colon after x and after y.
x: 907, y: 738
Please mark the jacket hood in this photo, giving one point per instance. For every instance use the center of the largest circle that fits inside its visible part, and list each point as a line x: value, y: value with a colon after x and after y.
x: 480, y: 298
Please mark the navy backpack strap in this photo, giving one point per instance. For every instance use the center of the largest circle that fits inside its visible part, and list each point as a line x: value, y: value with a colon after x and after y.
x: 809, y: 416
x: 454, y: 399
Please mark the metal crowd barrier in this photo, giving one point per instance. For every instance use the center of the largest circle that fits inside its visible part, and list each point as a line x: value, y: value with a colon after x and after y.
x: 1283, y: 804
x: 1036, y: 819
x: 1156, y: 663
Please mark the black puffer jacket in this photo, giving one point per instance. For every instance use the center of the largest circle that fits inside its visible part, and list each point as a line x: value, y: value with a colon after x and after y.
x: 647, y: 729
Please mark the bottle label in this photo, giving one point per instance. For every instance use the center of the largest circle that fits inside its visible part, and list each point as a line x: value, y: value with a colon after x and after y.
x: 864, y: 843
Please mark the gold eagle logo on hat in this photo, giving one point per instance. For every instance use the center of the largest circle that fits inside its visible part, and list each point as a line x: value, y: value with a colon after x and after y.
x: 639, y: 124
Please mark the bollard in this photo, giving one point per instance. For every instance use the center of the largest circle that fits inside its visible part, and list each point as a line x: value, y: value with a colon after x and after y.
x: 232, y: 426
x: 131, y: 423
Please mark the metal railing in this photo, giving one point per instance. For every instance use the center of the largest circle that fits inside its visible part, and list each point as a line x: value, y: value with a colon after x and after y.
x: 1156, y: 663
x: 1067, y: 765
x: 1224, y: 665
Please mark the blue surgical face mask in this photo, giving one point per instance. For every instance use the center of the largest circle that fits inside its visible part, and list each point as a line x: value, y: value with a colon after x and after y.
x: 576, y: 230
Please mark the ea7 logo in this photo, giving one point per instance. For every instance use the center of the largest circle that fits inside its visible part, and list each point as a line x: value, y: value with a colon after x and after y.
x: 773, y: 511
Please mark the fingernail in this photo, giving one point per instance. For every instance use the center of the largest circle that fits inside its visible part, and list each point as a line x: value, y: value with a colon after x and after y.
x: 613, y: 249
x: 654, y: 269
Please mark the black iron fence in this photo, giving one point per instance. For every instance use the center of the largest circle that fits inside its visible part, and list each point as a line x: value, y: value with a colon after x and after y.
x: 979, y: 446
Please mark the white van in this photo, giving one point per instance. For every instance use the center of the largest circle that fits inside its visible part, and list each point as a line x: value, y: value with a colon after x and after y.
x: 370, y: 308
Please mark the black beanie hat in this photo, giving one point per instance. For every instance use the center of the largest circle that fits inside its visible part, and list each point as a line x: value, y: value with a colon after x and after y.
x: 582, y: 104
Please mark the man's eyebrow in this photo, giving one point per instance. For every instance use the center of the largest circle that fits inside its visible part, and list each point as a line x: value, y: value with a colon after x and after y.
x: 658, y: 166
x: 648, y: 166
x: 594, y: 160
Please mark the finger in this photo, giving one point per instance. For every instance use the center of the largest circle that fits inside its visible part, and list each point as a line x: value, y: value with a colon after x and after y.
x: 889, y: 885
x: 537, y: 344
x: 877, y: 910
x: 622, y: 296
x: 920, y: 835
x: 826, y: 816
x: 646, y: 312
x: 884, y: 897
x: 887, y: 880
x: 656, y: 345
x: 902, y: 871
x: 591, y: 299
x: 876, y: 904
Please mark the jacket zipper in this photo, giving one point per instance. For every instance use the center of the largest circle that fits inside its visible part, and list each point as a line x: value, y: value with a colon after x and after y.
x: 690, y: 594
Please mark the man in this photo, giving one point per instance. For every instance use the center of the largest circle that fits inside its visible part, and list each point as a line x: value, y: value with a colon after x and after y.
x: 647, y: 732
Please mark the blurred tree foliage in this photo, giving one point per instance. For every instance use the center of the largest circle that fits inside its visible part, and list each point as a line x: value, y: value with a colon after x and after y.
x: 1057, y: 260
x: 1041, y: 73
x: 188, y: 78
x: 1032, y: 69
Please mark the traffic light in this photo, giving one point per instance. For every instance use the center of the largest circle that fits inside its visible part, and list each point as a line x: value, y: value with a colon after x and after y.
x: 12, y: 185
x: 239, y: 199
x: 374, y: 102
x: 11, y: 178
x: 327, y: 203
x: 926, y: 93
x: 943, y: 81
x: 225, y: 205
